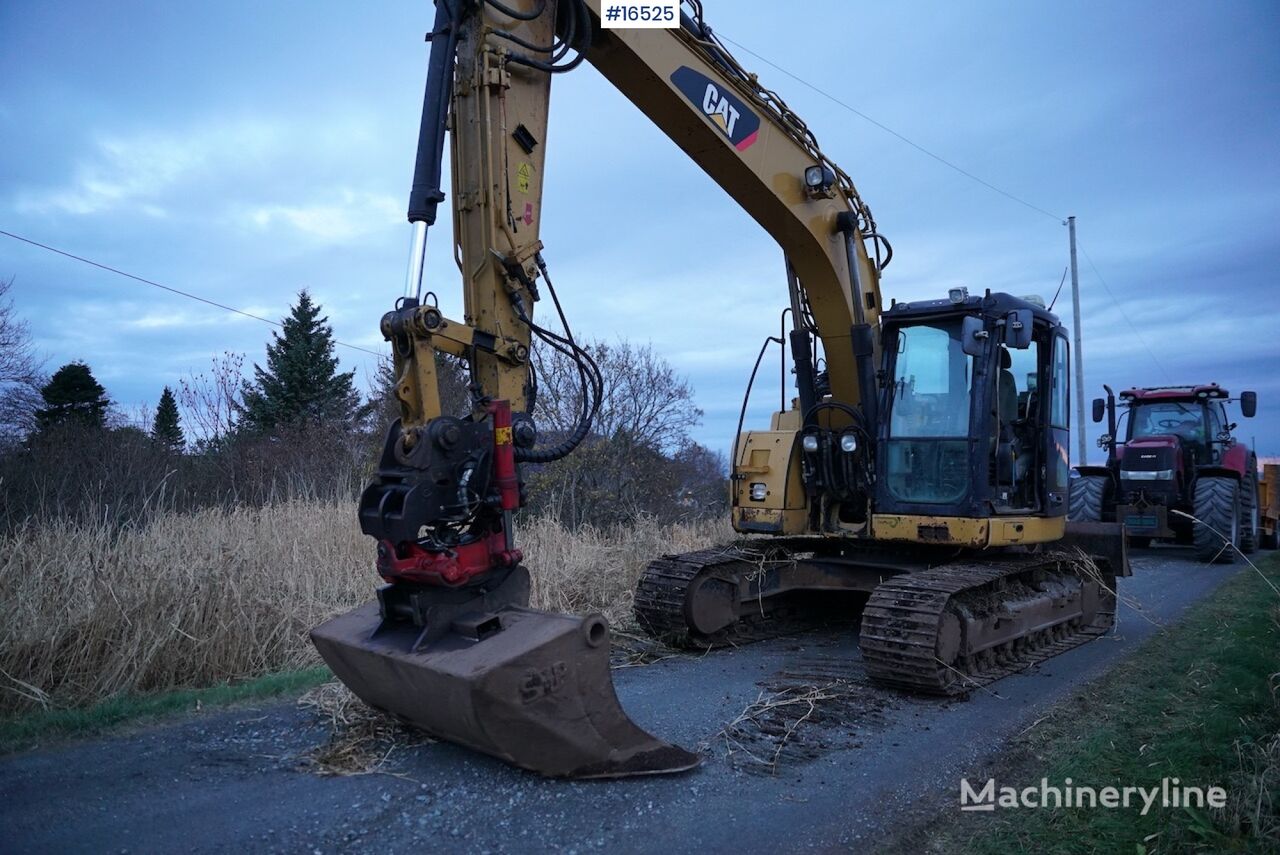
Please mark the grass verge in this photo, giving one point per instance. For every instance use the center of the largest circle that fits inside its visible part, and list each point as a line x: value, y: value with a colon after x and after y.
x: 1199, y: 702
x: 31, y: 729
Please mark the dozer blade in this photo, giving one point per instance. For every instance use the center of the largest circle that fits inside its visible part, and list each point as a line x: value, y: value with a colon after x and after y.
x: 529, y: 687
x: 1103, y: 542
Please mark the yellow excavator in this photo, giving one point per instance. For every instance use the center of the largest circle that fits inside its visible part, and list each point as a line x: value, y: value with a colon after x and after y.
x: 921, y: 466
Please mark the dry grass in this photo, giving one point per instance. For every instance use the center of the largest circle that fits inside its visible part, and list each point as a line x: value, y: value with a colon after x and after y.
x: 361, y: 739
x: 597, y: 570
x: 774, y: 717
x: 88, y: 612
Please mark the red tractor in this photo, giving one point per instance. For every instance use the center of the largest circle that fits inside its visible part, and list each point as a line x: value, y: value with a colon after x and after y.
x: 1178, y: 458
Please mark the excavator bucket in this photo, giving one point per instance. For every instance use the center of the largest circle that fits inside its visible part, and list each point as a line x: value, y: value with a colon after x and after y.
x: 529, y: 687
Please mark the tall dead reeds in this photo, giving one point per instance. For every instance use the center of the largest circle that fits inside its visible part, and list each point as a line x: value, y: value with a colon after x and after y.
x: 89, y: 610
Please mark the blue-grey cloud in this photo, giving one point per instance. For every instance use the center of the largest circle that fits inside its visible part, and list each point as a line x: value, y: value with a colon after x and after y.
x: 244, y: 152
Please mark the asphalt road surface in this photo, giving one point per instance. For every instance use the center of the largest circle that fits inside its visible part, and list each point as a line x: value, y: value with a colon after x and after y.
x: 863, y: 761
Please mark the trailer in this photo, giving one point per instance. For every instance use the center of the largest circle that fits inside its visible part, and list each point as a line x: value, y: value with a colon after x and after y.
x: 1269, y: 505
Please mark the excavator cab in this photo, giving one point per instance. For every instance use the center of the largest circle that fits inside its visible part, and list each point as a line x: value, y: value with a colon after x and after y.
x: 959, y: 437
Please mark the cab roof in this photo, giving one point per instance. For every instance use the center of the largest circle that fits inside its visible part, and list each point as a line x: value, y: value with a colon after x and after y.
x: 1174, y: 393
x: 996, y: 304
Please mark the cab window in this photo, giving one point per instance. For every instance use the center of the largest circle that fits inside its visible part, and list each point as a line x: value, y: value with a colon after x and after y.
x: 1217, y: 421
x: 932, y: 382
x: 1164, y: 418
x: 928, y: 448
x: 1059, y: 408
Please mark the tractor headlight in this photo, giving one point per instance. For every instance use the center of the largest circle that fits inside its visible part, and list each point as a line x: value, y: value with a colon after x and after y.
x: 958, y: 295
x: 758, y: 491
x: 1149, y: 475
x: 809, y: 443
x: 848, y: 443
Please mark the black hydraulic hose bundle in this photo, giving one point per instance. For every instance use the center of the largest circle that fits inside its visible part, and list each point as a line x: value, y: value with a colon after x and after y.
x: 573, y: 32
x: 519, y: 16
x: 589, y: 376
x: 864, y: 445
x: 746, y: 397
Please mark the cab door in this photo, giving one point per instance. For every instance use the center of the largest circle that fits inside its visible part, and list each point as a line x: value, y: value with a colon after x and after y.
x: 1057, y: 456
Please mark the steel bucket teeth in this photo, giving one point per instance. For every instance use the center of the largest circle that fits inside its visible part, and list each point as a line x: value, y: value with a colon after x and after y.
x: 529, y: 687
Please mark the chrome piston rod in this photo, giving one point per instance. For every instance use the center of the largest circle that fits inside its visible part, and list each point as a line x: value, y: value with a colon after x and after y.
x: 417, y: 258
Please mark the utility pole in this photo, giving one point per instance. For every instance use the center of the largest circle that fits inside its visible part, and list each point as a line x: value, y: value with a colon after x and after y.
x: 1079, y: 430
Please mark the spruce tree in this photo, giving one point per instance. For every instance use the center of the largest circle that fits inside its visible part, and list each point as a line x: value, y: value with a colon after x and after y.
x: 300, y: 385
x: 167, y: 427
x: 73, y: 396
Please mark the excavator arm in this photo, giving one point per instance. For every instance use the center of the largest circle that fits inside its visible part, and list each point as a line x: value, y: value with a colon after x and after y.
x: 489, y: 84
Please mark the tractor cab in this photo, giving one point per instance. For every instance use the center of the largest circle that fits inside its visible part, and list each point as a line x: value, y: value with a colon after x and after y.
x: 1190, y: 420
x: 975, y: 408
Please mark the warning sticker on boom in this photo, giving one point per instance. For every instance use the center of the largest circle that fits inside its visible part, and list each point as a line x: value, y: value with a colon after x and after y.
x: 523, y: 173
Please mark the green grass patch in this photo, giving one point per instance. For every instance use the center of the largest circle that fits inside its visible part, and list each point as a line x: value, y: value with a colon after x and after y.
x: 28, y: 730
x: 1197, y: 702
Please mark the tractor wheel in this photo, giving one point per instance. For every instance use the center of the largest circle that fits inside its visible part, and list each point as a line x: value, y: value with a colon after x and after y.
x: 1249, y: 510
x: 1217, y: 513
x: 1088, y: 493
x: 1140, y: 542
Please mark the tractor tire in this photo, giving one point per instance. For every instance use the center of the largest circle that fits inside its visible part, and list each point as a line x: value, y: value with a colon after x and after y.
x: 1088, y: 494
x: 1249, y: 509
x: 1217, y: 513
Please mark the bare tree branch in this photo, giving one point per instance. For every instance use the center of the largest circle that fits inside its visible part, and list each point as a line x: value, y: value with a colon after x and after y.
x: 21, y: 372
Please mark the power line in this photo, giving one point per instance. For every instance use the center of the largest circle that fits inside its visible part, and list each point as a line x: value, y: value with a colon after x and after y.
x: 171, y: 290
x: 766, y: 61
x: 966, y: 173
x: 1125, y: 314
x: 963, y: 172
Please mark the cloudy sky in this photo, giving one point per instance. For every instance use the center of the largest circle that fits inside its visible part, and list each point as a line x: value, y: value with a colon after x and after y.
x: 243, y: 151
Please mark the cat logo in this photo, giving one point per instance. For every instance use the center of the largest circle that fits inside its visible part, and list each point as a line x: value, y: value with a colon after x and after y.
x: 719, y: 109
x: 725, y: 110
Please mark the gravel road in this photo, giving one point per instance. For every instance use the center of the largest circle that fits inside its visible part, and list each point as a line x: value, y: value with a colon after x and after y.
x: 863, y: 760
